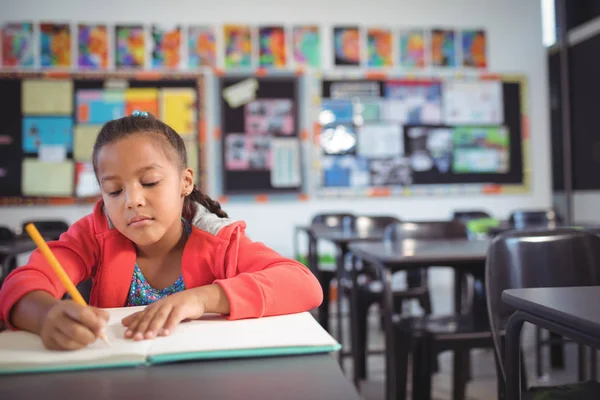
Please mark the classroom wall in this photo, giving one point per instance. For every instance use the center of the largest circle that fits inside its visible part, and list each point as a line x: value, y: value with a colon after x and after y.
x: 515, y: 46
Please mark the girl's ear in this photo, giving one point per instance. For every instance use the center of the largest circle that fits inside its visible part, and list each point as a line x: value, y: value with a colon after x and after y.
x: 188, y: 181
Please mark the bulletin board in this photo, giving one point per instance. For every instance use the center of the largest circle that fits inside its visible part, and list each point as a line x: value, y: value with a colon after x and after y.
x: 400, y: 135
x: 52, y: 120
x: 260, y: 132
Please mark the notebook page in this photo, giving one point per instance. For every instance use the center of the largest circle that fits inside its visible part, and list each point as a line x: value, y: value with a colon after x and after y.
x: 215, y: 333
x: 21, y: 350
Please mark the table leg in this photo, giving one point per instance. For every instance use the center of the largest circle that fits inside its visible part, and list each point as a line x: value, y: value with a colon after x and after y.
x: 342, y: 251
x: 557, y: 351
x: 512, y: 366
x: 390, y: 368
x: 354, y: 328
x: 458, y: 289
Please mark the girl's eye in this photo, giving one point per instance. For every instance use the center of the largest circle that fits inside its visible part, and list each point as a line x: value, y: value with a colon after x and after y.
x: 115, y: 193
x: 149, y: 184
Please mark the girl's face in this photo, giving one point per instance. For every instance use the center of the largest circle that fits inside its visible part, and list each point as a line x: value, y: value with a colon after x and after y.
x: 143, y: 189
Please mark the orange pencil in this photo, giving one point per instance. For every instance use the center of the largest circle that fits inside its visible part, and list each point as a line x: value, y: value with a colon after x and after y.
x: 58, y: 269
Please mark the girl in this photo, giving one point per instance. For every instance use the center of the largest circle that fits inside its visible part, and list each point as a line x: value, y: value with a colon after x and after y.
x: 153, y: 239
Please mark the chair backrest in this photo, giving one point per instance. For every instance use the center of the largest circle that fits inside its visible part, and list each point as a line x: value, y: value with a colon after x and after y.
x: 369, y: 223
x: 44, y: 226
x: 334, y: 220
x: 6, y: 234
x: 467, y: 215
x: 533, y: 218
x: 426, y: 230
x: 539, y: 258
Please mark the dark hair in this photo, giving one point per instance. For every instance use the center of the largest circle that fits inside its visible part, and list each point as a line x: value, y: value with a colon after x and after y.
x: 137, y: 124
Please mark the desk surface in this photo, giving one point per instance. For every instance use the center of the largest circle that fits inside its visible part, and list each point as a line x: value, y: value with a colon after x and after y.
x: 421, y: 252
x: 293, y: 378
x: 576, y: 307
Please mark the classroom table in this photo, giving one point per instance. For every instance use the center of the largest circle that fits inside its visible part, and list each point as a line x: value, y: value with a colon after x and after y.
x: 568, y: 311
x: 293, y: 378
x: 341, y: 237
x: 463, y: 255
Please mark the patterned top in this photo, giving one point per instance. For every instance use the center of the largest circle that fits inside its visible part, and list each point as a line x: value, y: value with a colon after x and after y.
x: 140, y: 291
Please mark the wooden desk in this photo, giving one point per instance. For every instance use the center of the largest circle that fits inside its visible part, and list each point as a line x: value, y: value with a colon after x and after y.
x: 572, y: 312
x: 293, y: 378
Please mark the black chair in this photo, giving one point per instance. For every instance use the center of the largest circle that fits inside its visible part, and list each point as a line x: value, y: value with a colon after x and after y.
x: 331, y: 220
x: 7, y: 263
x: 544, y: 258
x: 467, y: 215
x: 50, y: 229
x: 429, y: 336
x: 6, y: 234
x: 522, y: 219
x: 541, y: 219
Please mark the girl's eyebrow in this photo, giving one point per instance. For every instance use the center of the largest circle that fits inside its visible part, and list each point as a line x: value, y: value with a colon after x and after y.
x: 138, y: 172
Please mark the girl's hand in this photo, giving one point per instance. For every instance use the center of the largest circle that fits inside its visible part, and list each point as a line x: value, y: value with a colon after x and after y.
x: 161, y: 317
x: 70, y: 326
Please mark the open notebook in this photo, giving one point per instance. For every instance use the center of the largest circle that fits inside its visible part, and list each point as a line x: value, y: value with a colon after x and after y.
x: 210, y: 337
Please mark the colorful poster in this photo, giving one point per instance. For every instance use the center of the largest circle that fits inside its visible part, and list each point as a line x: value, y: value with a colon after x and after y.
x: 55, y: 45
x: 480, y: 150
x: 473, y: 103
x: 443, y: 48
x: 413, y: 102
x: 178, y: 109
x: 379, y: 47
x: 98, y: 106
x: 306, y: 46
x: 238, y: 46
x: 166, y: 46
x: 39, y: 131
x: 244, y: 153
x: 92, y: 43
x: 141, y: 99
x: 17, y: 45
x: 474, y: 48
x: 393, y: 171
x: 412, y: 48
x: 202, y: 46
x: 270, y: 117
x: 130, y: 46
x: 346, y: 45
x: 272, y: 47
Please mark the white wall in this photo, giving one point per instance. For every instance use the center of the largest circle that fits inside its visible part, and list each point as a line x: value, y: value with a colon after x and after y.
x: 515, y: 46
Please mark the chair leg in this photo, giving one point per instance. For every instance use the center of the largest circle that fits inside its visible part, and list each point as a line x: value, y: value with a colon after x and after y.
x: 539, y: 369
x: 423, y: 357
x: 594, y: 364
x: 325, y: 278
x: 581, y: 370
x: 402, y: 350
x: 362, y: 329
x: 460, y: 374
x: 557, y: 351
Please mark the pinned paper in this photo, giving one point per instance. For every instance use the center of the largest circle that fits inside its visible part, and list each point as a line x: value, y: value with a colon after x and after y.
x: 241, y: 93
x: 47, y: 178
x: 86, y: 182
x: 47, y: 97
x: 52, y: 153
x: 178, y: 109
x: 145, y: 99
x: 83, y: 141
x: 286, y: 163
